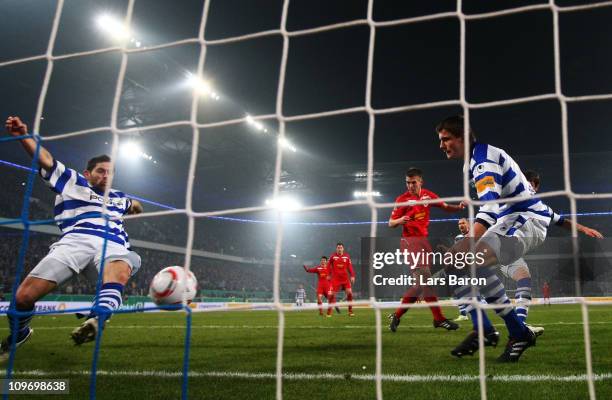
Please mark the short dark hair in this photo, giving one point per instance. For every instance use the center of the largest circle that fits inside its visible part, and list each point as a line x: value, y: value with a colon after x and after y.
x: 91, y: 164
x: 414, y: 172
x: 533, y: 176
x: 339, y: 244
x: 455, y: 126
x: 323, y: 257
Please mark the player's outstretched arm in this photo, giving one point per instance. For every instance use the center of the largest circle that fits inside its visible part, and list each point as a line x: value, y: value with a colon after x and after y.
x: 567, y: 224
x: 310, y: 270
x: 135, y: 208
x: 15, y: 127
x: 452, y: 207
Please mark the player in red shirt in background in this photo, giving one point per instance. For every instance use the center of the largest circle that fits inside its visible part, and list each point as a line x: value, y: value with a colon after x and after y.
x: 546, y: 292
x: 323, y: 286
x: 414, y: 220
x: 342, y: 277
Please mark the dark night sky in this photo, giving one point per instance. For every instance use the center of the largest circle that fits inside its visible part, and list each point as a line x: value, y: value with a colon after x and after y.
x: 507, y: 57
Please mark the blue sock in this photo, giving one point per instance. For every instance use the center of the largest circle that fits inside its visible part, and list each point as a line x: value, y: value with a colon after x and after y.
x: 522, y: 297
x: 23, y: 323
x: 110, y: 300
x: 495, y: 293
x: 516, y: 327
x: 486, y: 322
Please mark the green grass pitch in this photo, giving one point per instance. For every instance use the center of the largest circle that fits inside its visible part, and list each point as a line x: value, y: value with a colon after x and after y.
x: 142, y: 356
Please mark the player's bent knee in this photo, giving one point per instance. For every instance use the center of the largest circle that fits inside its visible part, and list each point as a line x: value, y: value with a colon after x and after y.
x: 521, y: 273
x: 31, y: 290
x: 25, y: 298
x: 117, y: 271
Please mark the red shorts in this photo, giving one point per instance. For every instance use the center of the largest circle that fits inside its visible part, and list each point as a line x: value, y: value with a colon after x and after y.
x: 340, y: 285
x: 323, y: 288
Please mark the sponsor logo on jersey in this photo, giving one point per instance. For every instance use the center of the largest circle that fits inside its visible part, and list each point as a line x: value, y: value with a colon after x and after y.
x: 110, y: 202
x: 484, y: 183
x: 420, y: 215
x: 425, y: 197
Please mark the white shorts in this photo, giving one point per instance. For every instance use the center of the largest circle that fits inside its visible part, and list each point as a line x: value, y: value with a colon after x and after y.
x: 510, y: 269
x: 509, y: 248
x: 78, y: 253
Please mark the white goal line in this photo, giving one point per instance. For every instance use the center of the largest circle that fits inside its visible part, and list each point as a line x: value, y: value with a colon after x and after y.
x: 319, y: 376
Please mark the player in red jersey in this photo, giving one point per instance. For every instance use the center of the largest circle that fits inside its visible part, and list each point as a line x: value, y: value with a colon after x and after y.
x: 546, y: 292
x: 414, y: 220
x: 323, y: 287
x: 342, y: 277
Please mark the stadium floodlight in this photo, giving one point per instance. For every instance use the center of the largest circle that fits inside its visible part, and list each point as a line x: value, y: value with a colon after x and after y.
x: 135, y: 42
x: 132, y: 150
x: 284, y: 203
x: 358, y: 194
x: 201, y: 86
x: 287, y: 144
x: 113, y: 27
x: 256, y: 124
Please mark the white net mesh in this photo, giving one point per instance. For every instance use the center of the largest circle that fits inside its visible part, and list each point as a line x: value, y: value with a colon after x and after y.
x: 279, y: 115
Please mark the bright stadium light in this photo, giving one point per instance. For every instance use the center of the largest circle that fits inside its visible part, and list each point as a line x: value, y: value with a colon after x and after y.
x: 287, y: 144
x: 198, y: 84
x: 361, y: 194
x: 132, y: 150
x: 255, y: 124
x: 113, y: 27
x: 284, y: 203
x: 201, y: 86
x: 135, y: 42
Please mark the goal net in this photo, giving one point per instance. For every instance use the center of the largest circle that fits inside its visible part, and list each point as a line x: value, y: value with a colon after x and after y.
x: 257, y: 249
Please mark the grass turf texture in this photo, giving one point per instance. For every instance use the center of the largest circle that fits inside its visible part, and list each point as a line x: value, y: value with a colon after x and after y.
x: 246, y: 342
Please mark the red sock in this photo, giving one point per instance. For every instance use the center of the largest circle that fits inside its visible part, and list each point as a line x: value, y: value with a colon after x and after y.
x: 429, y: 295
x: 435, y: 310
x: 349, y: 297
x: 331, y: 300
x: 320, y: 304
x: 411, y: 296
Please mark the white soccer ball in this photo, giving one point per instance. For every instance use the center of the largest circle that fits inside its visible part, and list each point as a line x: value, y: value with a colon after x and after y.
x: 171, y: 284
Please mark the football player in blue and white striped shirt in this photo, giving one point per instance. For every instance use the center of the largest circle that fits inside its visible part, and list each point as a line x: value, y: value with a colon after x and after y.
x: 519, y: 271
x: 78, y: 211
x: 504, y: 231
x: 300, y: 296
x: 464, y: 228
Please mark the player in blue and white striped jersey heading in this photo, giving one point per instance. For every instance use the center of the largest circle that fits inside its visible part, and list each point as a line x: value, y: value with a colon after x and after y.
x: 86, y: 243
